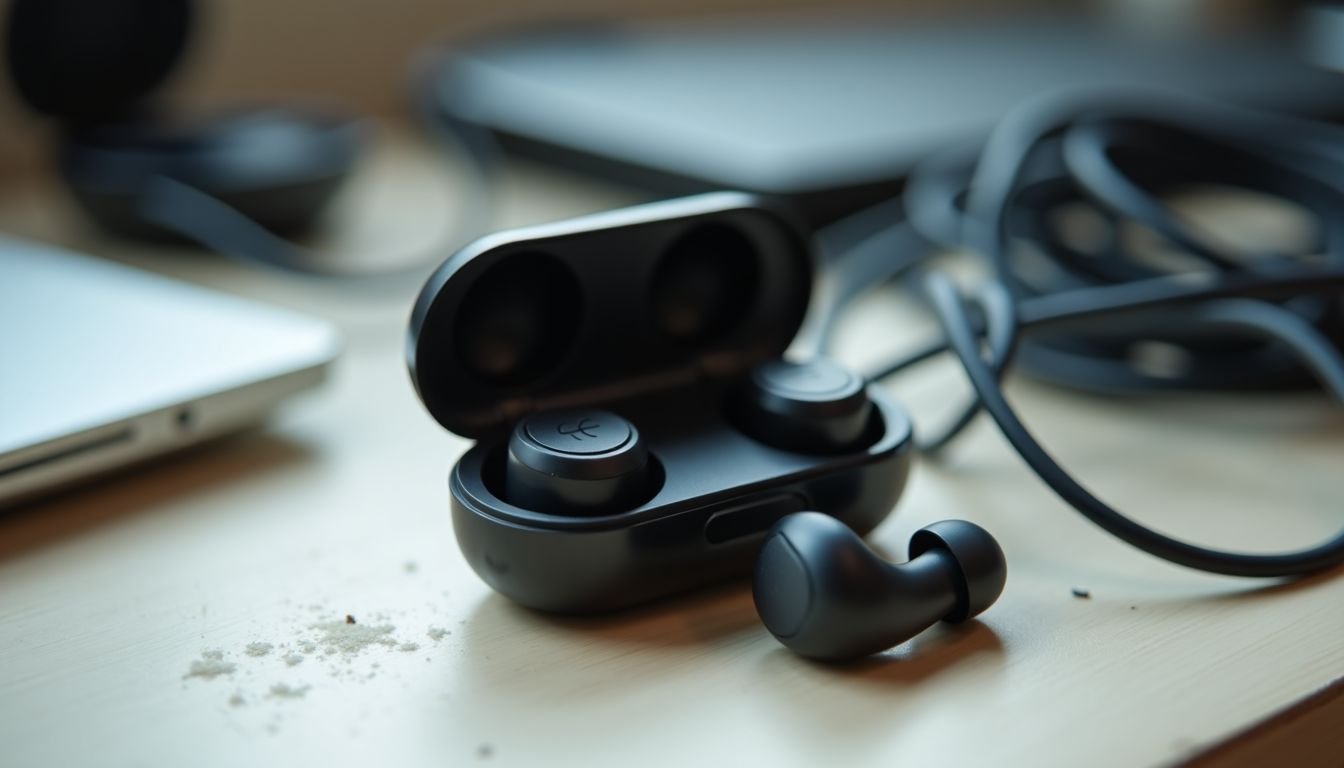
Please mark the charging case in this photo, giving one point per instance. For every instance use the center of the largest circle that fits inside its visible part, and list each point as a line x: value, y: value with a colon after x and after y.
x: 657, y: 313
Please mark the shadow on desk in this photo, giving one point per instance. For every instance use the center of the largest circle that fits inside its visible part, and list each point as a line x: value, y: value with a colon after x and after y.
x: 153, y: 484
x: 720, y: 620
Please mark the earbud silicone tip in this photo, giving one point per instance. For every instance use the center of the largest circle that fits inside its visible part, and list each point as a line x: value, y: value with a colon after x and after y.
x: 982, y: 566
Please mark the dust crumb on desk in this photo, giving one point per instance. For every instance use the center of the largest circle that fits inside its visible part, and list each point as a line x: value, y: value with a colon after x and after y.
x: 237, y: 700
x: 210, y: 665
x: 349, y: 619
x: 1082, y: 594
x: 437, y: 633
x: 284, y: 691
x: 258, y: 649
x: 408, y: 647
x: 293, y: 659
x: 410, y: 566
x: 348, y: 638
x: 485, y: 751
x: 1133, y: 607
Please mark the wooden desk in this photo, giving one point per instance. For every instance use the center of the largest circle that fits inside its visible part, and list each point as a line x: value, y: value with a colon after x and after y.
x: 110, y: 593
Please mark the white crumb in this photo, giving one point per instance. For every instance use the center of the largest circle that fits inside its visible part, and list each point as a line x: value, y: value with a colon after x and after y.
x: 437, y: 633
x: 307, y: 646
x: 210, y: 665
x: 237, y: 700
x: 283, y: 691
x: 292, y: 659
x: 408, y: 647
x: 351, y: 639
x: 410, y: 566
x: 258, y: 649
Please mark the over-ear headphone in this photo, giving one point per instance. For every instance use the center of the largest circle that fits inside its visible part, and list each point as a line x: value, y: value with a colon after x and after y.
x: 238, y: 181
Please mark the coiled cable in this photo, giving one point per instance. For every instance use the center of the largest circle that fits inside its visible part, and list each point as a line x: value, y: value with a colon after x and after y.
x: 1242, y: 321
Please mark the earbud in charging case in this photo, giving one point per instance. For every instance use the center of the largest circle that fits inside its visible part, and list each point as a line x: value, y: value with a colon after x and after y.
x: 637, y: 433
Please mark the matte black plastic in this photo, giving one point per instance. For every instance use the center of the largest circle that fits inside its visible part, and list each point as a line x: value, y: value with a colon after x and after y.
x: 580, y: 461
x: 812, y: 407
x: 720, y: 492
x: 981, y: 566
x: 656, y: 313
x: 650, y: 298
x: 823, y: 593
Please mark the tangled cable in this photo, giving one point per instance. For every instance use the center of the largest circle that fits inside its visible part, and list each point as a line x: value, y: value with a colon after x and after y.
x: 1077, y: 316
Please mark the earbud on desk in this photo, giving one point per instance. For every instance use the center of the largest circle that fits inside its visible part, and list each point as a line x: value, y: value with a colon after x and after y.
x: 822, y: 592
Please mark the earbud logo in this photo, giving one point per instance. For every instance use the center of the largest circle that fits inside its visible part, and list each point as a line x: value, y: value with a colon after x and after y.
x: 580, y: 430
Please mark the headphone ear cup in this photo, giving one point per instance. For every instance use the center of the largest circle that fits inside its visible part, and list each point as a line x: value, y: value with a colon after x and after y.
x: 278, y: 167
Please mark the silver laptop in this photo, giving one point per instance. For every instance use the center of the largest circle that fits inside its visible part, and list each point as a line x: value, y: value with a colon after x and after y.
x: 102, y: 365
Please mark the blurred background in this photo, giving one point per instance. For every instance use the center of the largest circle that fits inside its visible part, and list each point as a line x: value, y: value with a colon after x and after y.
x: 356, y: 53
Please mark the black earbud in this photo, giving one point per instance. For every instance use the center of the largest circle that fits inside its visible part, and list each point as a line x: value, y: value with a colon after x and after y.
x: 822, y: 592
x: 812, y: 407
x: 577, y: 462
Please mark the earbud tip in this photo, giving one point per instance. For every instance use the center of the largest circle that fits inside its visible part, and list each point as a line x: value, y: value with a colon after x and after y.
x: 979, y: 558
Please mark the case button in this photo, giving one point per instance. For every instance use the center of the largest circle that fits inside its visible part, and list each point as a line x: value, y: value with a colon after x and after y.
x: 746, y: 518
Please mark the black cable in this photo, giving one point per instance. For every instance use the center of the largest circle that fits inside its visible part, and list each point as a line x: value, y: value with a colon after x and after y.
x: 205, y: 219
x: 1076, y: 316
x: 965, y: 343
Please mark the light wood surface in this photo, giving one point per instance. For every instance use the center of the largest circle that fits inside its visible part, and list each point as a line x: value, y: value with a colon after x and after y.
x: 109, y: 593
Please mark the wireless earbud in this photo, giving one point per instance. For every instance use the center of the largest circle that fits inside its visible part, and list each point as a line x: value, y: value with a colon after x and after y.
x: 822, y: 592
x: 812, y: 407
x: 578, y: 462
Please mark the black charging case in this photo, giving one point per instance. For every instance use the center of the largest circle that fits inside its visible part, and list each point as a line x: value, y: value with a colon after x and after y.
x: 657, y: 313
x: 97, y: 69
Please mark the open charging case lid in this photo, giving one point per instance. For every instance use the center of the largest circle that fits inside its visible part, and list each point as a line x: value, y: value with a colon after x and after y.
x: 654, y: 298
x: 81, y: 61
